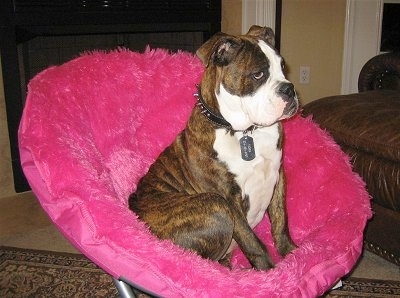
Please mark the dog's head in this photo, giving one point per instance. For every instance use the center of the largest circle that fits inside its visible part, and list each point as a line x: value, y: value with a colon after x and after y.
x: 245, y: 73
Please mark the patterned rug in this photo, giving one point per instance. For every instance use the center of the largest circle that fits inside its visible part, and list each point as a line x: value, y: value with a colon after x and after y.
x: 34, y: 273
x: 361, y: 287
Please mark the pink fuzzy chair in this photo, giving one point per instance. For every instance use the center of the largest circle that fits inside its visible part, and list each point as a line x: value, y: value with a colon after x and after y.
x: 91, y: 128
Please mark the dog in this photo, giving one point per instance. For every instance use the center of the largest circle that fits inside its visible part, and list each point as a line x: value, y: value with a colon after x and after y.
x: 210, y: 188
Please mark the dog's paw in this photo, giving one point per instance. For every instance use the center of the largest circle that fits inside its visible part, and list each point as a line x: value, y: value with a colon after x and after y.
x: 226, y: 261
x: 286, y: 247
x: 262, y: 263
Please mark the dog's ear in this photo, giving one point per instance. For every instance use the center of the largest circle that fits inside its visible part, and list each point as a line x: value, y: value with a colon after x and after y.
x: 264, y: 33
x: 219, y: 49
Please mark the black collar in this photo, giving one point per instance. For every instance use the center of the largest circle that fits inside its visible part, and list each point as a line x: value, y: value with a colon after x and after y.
x: 215, y: 118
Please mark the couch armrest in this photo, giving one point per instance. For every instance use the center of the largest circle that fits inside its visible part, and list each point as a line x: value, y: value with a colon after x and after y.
x: 380, y: 72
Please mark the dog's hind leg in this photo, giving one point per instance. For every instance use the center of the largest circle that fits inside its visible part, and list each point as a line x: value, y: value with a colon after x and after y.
x: 203, y: 222
x: 277, y: 214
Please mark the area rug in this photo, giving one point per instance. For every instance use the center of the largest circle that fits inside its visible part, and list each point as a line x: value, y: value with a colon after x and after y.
x: 362, y: 287
x: 35, y: 273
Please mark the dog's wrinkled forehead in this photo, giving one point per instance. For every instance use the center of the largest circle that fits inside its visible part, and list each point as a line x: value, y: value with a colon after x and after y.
x: 221, y: 47
x: 244, y: 61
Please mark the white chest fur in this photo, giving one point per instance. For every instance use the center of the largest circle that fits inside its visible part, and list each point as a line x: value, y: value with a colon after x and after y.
x: 256, y: 178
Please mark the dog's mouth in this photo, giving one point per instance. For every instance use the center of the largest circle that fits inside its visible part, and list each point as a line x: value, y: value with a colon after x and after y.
x: 287, y: 94
x: 290, y: 109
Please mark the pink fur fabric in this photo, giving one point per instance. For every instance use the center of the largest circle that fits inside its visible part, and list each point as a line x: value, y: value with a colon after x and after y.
x: 92, y: 127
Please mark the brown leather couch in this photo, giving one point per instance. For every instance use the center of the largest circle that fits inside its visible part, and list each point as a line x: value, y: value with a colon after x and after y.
x: 367, y: 127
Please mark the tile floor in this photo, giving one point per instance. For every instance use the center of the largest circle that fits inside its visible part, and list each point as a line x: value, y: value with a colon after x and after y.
x: 24, y: 224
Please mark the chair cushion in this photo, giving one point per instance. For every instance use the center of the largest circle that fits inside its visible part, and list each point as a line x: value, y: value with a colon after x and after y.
x: 92, y: 127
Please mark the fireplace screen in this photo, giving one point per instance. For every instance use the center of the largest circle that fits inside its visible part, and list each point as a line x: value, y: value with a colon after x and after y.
x: 38, y: 33
x: 41, y: 52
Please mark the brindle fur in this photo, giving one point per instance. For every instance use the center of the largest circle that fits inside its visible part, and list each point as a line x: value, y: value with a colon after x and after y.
x: 190, y: 197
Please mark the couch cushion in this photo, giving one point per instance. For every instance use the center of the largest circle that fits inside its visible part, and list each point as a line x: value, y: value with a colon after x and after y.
x: 368, y: 121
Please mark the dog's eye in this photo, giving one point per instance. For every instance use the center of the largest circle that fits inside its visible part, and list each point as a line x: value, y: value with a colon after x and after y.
x: 258, y: 75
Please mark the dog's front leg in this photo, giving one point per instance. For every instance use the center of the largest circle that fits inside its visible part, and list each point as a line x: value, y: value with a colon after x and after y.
x: 252, y: 247
x: 278, y: 216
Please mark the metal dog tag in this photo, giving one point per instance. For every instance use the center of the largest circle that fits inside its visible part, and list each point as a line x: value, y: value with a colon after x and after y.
x: 247, y: 148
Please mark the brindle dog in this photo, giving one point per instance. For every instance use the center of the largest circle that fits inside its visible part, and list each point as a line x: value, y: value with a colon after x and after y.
x: 199, y: 192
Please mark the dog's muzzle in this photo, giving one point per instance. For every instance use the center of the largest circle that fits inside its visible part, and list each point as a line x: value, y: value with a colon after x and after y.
x: 288, y: 94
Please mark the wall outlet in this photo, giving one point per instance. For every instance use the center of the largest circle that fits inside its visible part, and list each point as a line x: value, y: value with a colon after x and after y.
x: 304, y: 75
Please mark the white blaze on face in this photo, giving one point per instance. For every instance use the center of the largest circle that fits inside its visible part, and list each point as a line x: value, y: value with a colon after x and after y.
x: 264, y: 106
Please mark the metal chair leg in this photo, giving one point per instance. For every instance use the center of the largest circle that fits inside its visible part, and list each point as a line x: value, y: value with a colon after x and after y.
x: 124, y: 289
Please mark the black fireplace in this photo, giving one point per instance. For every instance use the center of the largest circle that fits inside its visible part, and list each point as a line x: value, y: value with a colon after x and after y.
x: 27, y: 27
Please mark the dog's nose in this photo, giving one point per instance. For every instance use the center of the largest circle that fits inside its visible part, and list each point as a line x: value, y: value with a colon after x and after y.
x: 287, y: 89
